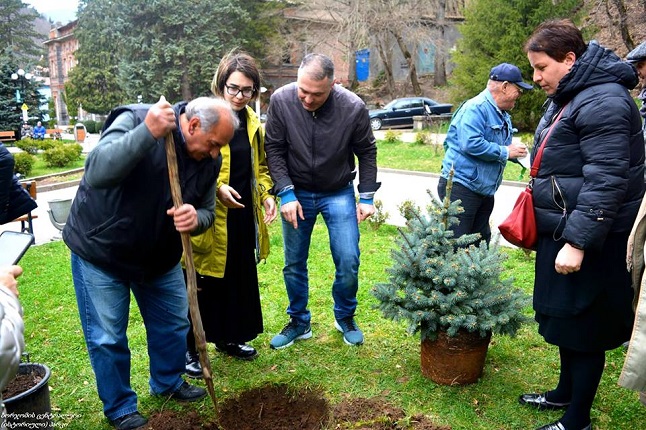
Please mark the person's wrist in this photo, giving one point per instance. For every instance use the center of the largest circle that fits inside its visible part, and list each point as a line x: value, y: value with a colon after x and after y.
x: 287, y: 196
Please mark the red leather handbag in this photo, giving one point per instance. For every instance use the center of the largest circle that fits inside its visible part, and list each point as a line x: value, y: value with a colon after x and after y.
x: 519, y: 228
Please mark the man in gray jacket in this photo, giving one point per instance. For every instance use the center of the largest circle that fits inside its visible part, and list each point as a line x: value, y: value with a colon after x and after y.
x: 314, y: 131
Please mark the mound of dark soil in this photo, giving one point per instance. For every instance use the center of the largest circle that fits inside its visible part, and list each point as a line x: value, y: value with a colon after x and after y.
x: 276, y: 408
x: 282, y: 408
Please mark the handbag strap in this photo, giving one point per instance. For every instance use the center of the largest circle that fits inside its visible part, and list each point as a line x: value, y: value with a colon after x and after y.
x: 539, y: 154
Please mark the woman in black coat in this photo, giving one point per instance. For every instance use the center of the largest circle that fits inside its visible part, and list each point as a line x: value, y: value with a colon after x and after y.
x: 586, y: 196
x: 14, y: 199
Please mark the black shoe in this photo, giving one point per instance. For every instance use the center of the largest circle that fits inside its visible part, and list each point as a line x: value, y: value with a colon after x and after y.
x: 188, y: 393
x: 540, y: 402
x: 243, y: 352
x: 557, y: 425
x: 193, y: 366
x: 129, y: 422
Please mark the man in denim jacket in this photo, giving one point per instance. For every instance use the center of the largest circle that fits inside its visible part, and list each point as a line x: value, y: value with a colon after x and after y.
x: 477, y: 147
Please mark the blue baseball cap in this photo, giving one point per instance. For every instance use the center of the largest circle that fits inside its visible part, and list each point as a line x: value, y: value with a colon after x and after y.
x: 510, y: 73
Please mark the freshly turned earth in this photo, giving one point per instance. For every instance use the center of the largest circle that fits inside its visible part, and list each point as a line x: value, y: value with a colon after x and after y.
x: 279, y: 408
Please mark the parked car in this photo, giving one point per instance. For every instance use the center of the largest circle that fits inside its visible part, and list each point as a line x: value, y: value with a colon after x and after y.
x: 400, y: 112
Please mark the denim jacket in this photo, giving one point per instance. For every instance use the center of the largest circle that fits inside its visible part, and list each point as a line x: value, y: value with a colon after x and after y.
x: 476, y: 144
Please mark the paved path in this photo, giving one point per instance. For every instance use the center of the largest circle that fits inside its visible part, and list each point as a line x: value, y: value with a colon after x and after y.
x: 398, y: 186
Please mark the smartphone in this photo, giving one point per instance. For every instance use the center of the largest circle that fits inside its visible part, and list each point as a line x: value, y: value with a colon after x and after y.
x: 13, y: 246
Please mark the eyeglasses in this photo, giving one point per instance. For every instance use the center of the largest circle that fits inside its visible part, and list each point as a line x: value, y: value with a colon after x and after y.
x: 234, y: 90
x: 520, y: 90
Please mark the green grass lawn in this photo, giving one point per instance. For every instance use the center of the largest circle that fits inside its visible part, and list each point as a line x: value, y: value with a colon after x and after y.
x: 40, y: 168
x: 386, y: 365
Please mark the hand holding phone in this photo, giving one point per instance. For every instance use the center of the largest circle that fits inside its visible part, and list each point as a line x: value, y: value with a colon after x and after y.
x: 8, y: 277
x: 13, y: 246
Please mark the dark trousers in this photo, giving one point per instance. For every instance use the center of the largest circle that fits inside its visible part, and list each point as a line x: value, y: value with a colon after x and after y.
x: 477, y: 210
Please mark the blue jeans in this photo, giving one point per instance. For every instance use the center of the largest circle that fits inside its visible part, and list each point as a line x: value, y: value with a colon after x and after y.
x: 104, y: 305
x: 339, y: 212
x: 477, y: 210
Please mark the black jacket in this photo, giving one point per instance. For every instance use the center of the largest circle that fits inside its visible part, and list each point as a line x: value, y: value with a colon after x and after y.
x: 14, y: 199
x: 591, y: 178
x: 315, y: 150
x: 123, y: 227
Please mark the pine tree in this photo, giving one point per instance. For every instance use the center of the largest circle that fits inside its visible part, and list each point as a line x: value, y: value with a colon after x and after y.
x: 441, y: 283
x: 10, y: 107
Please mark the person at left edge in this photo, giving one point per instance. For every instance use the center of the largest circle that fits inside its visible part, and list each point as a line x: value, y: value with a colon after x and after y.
x: 12, y: 328
x: 124, y: 235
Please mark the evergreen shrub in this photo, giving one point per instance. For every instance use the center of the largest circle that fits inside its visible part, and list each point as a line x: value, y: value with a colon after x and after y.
x: 62, y: 155
x: 441, y: 283
x: 90, y: 126
x: 380, y: 216
x: 46, y: 144
x: 24, y: 162
x: 392, y: 137
x: 27, y: 144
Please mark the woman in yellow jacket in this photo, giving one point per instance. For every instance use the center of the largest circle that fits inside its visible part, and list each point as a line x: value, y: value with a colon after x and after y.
x: 226, y: 255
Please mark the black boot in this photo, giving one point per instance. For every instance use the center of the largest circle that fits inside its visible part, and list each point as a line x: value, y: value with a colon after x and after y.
x: 193, y: 366
x: 240, y: 351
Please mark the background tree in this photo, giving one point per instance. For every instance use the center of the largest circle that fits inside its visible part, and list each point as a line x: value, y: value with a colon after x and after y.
x: 174, y: 46
x: 93, y: 82
x: 260, y: 30
x: 10, y: 114
x: 168, y: 47
x: 484, y: 45
x: 616, y: 24
x: 10, y: 108
x: 396, y: 29
x: 18, y: 49
x: 17, y: 33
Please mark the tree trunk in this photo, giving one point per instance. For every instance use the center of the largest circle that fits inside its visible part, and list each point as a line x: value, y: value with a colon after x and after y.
x: 440, y: 53
x: 185, y: 85
x: 353, y: 83
x: 622, y: 23
x: 388, y: 68
x: 412, y: 70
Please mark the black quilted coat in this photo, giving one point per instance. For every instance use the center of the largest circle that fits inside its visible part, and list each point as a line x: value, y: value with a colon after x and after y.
x: 587, y: 193
x: 591, y: 178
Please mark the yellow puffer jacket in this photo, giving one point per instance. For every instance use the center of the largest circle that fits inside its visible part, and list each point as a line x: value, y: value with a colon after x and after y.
x: 210, y: 247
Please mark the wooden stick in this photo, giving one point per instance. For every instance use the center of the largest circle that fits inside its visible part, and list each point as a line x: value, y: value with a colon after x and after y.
x: 191, y: 282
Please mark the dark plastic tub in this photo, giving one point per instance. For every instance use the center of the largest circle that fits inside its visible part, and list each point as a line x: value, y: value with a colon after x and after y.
x: 31, y: 406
